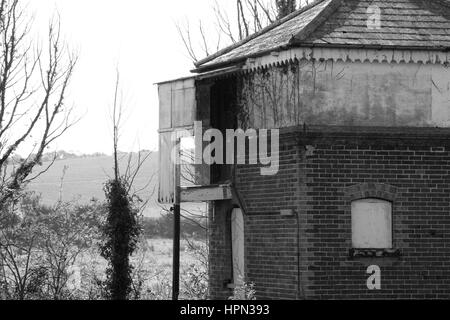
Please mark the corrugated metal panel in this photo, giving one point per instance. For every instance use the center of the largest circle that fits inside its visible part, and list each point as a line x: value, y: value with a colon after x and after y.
x: 166, y: 169
x: 165, y: 106
x: 177, y: 104
x: 183, y: 103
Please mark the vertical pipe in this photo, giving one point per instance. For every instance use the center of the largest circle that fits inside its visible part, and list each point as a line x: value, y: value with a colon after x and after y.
x: 176, y: 226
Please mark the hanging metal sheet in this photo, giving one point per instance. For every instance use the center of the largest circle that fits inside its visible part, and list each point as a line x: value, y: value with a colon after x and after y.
x: 166, y: 169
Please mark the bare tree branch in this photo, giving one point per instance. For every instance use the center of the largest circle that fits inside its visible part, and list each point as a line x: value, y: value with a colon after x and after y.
x: 249, y: 16
x: 33, y: 87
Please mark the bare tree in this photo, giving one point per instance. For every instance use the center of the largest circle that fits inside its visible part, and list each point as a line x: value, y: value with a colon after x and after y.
x: 248, y: 17
x: 134, y: 163
x: 122, y: 228
x: 33, y: 86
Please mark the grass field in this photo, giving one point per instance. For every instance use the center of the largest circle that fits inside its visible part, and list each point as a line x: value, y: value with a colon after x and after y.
x: 84, y: 178
x: 153, y: 268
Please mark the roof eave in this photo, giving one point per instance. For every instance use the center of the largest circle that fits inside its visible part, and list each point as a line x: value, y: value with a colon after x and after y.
x: 236, y: 61
x: 243, y: 59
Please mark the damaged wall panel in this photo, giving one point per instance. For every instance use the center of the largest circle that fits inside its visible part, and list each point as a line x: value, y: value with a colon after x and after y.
x: 177, y: 105
x: 350, y: 94
x: 177, y: 111
x: 166, y: 169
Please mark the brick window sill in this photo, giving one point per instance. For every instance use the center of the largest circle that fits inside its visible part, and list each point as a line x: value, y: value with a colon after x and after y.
x: 375, y: 253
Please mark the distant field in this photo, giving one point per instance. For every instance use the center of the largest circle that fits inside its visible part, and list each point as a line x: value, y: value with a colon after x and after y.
x: 85, y: 177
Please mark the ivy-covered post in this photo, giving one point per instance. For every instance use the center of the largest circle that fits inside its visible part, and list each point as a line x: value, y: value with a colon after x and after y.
x: 121, y: 236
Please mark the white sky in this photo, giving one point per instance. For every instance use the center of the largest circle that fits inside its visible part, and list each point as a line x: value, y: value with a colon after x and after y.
x: 139, y: 36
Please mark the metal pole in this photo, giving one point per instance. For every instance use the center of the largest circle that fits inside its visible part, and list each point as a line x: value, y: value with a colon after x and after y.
x: 176, y: 228
x: 176, y: 253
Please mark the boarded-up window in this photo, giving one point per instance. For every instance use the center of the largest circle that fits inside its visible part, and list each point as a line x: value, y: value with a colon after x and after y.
x: 372, y: 224
x: 237, y: 238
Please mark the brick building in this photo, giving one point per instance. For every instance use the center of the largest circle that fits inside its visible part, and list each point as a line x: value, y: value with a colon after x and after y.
x: 360, y: 91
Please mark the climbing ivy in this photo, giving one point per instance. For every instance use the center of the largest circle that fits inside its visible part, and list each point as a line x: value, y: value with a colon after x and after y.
x: 121, y: 232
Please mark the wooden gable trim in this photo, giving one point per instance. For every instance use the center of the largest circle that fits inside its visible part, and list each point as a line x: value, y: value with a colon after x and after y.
x: 349, y: 55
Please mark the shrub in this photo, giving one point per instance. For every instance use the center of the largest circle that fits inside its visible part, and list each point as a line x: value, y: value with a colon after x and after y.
x: 39, y: 246
x: 121, y: 232
x: 244, y: 291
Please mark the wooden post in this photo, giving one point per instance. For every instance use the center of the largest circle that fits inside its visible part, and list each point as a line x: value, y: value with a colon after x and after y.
x: 176, y: 226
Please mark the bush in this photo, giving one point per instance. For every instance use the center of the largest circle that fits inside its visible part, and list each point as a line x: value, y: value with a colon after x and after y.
x: 61, y: 243
x: 39, y: 246
x: 245, y: 291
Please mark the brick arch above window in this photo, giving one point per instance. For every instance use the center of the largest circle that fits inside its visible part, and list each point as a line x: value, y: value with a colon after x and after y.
x: 371, y: 190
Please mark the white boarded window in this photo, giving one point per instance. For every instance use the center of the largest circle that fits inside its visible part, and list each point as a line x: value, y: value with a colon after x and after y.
x: 237, y: 238
x: 372, y: 224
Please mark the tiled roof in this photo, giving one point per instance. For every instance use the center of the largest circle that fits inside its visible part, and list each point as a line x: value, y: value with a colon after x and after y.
x: 411, y: 24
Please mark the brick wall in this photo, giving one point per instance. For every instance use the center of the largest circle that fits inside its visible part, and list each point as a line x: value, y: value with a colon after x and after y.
x: 220, y: 263
x: 322, y: 170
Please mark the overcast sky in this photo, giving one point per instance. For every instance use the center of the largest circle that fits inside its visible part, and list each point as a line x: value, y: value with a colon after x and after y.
x: 139, y: 36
